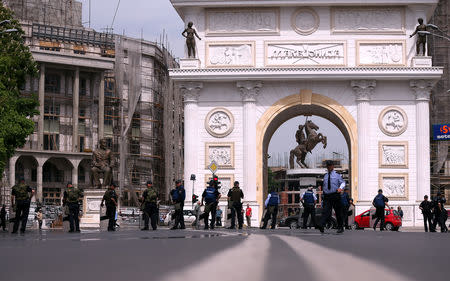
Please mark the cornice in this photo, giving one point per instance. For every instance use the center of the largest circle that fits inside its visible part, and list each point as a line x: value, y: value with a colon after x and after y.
x: 307, y: 73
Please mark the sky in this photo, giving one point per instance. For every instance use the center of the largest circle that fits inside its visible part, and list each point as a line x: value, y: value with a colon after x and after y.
x: 151, y: 17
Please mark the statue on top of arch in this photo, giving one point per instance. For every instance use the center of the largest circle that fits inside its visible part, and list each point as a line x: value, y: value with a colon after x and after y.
x: 307, y: 139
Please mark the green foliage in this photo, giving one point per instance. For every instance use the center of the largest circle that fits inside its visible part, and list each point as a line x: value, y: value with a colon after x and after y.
x: 16, y: 64
x: 273, y: 184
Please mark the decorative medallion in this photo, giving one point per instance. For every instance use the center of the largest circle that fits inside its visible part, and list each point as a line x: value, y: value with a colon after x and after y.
x: 393, y: 121
x: 305, y: 21
x: 219, y: 122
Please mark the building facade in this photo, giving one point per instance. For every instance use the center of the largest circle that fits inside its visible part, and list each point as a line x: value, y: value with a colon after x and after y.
x: 94, y: 85
x: 261, y: 63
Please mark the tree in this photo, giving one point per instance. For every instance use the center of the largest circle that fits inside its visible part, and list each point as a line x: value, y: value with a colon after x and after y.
x: 16, y: 111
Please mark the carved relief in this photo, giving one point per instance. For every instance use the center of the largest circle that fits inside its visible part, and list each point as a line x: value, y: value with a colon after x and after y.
x: 226, y: 183
x: 393, y: 154
x: 219, y: 122
x: 93, y: 204
x: 305, y: 54
x: 381, y: 53
x: 393, y: 121
x: 242, y: 21
x: 222, y: 153
x: 230, y: 54
x: 305, y: 21
x: 386, y: 20
x: 395, y: 186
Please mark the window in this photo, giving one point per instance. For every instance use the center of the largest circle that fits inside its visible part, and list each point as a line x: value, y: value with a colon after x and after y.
x: 51, y: 142
x: 52, y: 196
x: 297, y: 198
x: 52, y: 83
x: 81, y: 143
x: 109, y: 87
x: 83, y: 87
x: 81, y: 175
x: 135, y: 179
x: 290, y: 198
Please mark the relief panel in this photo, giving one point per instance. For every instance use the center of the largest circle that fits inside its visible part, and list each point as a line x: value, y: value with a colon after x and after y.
x: 230, y: 54
x: 376, y: 53
x: 394, y: 186
x: 393, y: 154
x: 222, y: 153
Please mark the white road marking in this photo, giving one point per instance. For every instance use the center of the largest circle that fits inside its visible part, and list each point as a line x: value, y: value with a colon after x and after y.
x: 346, y: 266
x: 253, y: 251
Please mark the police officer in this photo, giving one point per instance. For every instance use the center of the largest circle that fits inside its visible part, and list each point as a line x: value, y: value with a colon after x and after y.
x: 345, y: 200
x: 380, y: 203
x: 332, y: 186
x: 178, y: 196
x: 150, y: 206
x: 235, y: 195
x: 271, y: 204
x: 426, y: 207
x: 437, y: 210
x: 309, y: 200
x: 211, y: 197
x: 72, y: 197
x: 20, y: 201
x: 110, y: 199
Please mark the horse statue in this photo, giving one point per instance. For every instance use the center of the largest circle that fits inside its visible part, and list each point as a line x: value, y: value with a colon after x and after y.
x: 307, y: 144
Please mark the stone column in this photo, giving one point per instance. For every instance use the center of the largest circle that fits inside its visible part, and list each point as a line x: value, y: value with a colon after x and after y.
x: 190, y: 92
x: 422, y: 92
x: 363, y: 90
x: 101, y: 106
x: 75, y: 108
x: 39, y: 182
x: 41, y: 107
x: 12, y: 170
x: 249, y: 92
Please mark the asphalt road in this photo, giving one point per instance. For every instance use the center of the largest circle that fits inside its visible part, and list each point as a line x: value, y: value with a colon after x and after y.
x: 280, y: 254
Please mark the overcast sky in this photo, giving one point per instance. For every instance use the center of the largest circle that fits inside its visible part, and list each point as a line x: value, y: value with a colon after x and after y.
x: 152, y: 17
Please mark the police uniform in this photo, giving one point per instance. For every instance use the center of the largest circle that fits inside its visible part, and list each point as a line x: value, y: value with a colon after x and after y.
x: 309, y: 201
x: 379, y: 202
x: 345, y: 200
x: 235, y: 195
x: 437, y: 212
x: 110, y: 198
x: 271, y: 203
x: 71, y: 198
x: 21, y: 193
x: 178, y: 196
x: 332, y: 181
x: 210, y: 196
x: 426, y: 207
x: 150, y: 207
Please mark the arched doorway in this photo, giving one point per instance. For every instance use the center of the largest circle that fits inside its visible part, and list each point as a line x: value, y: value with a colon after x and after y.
x: 305, y: 103
x: 56, y: 172
x: 26, y: 167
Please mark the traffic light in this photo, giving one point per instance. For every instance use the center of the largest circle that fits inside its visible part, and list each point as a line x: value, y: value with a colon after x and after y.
x: 216, y: 182
x: 194, y: 198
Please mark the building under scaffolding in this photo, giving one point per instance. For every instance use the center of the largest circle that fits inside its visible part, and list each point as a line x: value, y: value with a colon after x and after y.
x: 94, y: 85
x: 440, y: 101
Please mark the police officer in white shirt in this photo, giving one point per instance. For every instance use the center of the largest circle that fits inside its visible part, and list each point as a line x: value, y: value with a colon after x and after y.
x: 333, y: 184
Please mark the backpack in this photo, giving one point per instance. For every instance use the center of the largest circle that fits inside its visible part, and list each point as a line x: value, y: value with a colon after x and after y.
x: 210, y: 194
x: 273, y: 200
x: 21, y: 192
x: 308, y: 198
x: 379, y: 200
x: 236, y: 195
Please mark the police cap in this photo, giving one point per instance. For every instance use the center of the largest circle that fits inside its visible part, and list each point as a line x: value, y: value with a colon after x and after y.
x: 177, y: 181
x: 149, y: 182
x: 236, y: 183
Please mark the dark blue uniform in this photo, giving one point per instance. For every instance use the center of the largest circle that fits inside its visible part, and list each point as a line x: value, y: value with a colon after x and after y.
x: 178, y: 196
x: 309, y: 202
x: 210, y: 196
x: 272, y: 202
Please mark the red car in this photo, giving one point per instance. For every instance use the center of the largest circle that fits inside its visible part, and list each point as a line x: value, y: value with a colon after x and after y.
x: 391, y: 218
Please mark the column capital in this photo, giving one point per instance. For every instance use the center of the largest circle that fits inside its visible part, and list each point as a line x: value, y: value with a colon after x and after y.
x: 422, y: 89
x: 190, y: 91
x: 363, y: 89
x: 249, y: 90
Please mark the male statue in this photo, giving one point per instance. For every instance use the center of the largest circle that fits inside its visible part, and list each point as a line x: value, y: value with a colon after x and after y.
x: 422, y: 39
x: 102, y: 162
x: 189, y: 33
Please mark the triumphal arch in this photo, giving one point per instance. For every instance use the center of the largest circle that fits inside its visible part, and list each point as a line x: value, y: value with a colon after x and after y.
x: 260, y: 63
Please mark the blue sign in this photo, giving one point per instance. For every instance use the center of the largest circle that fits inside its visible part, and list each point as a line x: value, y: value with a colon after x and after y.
x: 441, y: 132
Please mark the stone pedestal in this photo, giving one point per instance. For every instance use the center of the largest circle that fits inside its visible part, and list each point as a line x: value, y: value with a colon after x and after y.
x: 189, y: 63
x: 421, y: 61
x: 91, y: 208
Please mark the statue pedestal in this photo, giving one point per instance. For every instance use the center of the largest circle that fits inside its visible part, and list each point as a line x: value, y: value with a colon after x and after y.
x: 188, y: 63
x: 91, y: 208
x: 421, y: 61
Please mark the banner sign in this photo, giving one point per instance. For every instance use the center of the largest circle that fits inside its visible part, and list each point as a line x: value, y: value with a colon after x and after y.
x: 441, y: 132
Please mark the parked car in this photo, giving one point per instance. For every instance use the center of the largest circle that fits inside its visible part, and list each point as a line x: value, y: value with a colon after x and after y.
x: 391, y: 218
x: 293, y: 223
x: 189, y: 217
